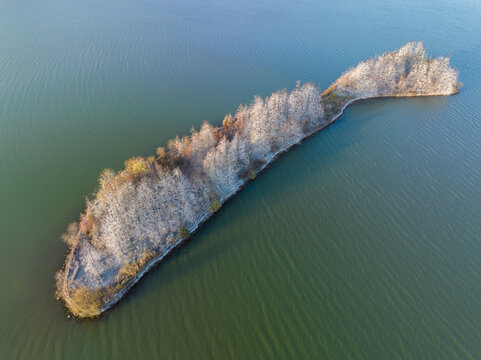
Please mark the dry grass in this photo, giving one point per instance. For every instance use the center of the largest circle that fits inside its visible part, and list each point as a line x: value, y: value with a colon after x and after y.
x: 130, y: 270
x: 333, y: 102
x: 215, y: 205
x: 85, y: 302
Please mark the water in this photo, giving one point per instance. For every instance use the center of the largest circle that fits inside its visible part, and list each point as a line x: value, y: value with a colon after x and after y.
x: 363, y: 242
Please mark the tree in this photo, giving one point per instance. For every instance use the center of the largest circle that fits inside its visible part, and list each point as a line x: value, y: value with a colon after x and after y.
x: 404, y: 71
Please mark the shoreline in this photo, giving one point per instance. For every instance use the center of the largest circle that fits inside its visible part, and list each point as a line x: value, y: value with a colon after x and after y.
x: 208, y: 214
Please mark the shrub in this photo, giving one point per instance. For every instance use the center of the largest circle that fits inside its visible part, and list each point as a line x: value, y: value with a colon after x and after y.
x: 184, y: 233
x: 107, y: 179
x: 129, y: 270
x: 136, y: 167
x: 215, y: 205
x: 169, y: 160
x: 252, y: 174
x: 86, y: 302
x: 228, y: 125
x: 59, y: 277
x: 71, y: 236
x: 88, y: 223
x: 329, y: 90
x: 161, y: 153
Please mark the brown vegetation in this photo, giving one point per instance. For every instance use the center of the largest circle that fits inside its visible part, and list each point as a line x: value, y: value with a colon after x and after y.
x: 128, y: 271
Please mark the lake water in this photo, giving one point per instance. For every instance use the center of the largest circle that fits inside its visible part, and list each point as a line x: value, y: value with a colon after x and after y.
x: 361, y: 243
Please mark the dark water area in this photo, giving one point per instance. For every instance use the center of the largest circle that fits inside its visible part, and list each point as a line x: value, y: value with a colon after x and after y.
x: 361, y: 243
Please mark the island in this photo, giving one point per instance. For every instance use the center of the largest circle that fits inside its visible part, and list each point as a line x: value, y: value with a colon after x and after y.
x: 141, y: 213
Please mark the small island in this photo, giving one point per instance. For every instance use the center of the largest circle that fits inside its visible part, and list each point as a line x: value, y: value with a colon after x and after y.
x: 139, y: 214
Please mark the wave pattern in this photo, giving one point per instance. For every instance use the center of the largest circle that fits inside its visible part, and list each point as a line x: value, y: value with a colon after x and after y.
x: 301, y: 264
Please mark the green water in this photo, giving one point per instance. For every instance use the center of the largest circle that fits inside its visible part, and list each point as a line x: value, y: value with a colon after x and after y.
x: 363, y: 242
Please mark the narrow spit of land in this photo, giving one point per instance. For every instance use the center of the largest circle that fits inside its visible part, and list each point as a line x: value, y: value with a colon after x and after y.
x: 140, y: 214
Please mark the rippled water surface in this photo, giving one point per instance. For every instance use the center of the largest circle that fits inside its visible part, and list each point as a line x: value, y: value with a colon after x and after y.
x: 362, y: 242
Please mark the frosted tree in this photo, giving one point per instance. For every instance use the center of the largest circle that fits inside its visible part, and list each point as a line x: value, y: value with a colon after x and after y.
x: 280, y: 119
x: 257, y: 131
x: 217, y: 164
x: 402, y: 72
x: 202, y: 142
x: 276, y: 117
x: 305, y: 107
x: 237, y: 155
